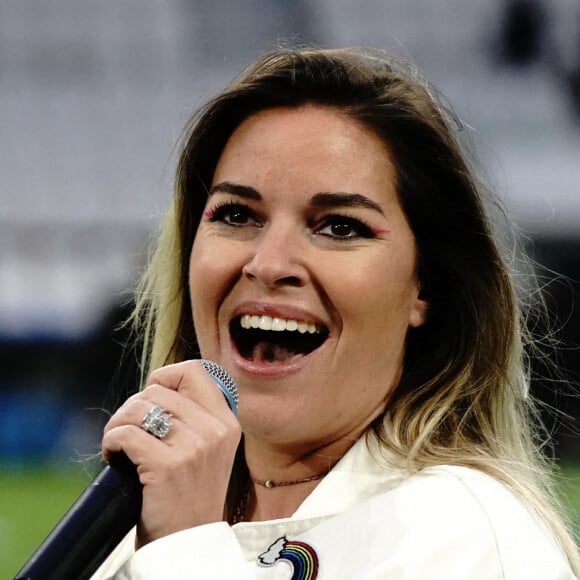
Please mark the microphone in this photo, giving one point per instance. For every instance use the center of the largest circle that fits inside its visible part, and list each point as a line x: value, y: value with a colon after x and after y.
x: 103, y: 514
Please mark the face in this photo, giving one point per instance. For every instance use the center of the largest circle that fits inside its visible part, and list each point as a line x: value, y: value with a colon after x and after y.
x: 303, y: 275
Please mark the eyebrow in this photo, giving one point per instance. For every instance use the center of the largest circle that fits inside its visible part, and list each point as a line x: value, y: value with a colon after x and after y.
x: 343, y: 199
x: 319, y: 200
x: 244, y: 191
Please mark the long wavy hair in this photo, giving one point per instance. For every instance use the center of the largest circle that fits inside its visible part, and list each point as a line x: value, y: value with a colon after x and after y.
x: 463, y: 397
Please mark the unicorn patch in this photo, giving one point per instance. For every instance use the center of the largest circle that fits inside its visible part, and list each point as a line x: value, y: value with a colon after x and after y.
x: 298, y: 555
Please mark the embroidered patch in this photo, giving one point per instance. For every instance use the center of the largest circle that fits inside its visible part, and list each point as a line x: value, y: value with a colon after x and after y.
x: 300, y: 556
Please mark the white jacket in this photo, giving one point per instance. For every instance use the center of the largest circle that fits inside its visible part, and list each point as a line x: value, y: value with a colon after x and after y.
x: 365, y: 522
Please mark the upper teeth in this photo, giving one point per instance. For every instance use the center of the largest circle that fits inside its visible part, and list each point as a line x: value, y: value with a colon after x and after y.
x: 278, y: 324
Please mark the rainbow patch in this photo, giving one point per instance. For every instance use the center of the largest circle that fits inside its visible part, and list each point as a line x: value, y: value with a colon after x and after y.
x: 300, y: 556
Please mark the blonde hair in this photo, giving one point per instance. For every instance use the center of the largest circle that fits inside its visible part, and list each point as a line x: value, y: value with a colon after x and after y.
x: 463, y: 396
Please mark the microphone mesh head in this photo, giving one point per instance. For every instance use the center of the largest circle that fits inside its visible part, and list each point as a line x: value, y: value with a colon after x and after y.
x: 224, y: 381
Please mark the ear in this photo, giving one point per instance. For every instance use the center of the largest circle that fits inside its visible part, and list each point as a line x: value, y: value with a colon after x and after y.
x: 419, y: 313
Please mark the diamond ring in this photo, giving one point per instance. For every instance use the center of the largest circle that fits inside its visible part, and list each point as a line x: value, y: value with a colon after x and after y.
x: 157, y: 422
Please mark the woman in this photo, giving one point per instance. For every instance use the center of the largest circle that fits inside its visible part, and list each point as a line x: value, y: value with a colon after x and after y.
x: 329, y: 247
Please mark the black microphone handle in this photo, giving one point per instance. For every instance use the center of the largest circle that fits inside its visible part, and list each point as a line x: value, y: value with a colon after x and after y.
x: 100, y: 518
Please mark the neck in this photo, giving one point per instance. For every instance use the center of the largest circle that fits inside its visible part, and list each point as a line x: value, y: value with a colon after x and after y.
x: 288, y: 465
x: 295, y: 473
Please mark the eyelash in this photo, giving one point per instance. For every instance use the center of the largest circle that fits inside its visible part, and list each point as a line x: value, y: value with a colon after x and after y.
x: 360, y: 228
x: 223, y: 213
x: 222, y: 210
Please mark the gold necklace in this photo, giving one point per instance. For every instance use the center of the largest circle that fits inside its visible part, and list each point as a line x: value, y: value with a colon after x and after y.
x: 271, y: 483
x: 241, y: 510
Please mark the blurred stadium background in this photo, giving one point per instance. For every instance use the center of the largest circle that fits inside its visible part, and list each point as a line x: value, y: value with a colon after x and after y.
x: 93, y: 96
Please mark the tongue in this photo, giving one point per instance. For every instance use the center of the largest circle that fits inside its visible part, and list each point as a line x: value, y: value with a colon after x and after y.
x: 271, y: 353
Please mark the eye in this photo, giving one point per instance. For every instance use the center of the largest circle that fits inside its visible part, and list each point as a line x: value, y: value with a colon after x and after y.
x: 232, y: 214
x: 343, y: 228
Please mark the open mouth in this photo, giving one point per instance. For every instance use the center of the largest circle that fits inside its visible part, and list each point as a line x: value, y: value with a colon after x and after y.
x: 271, y: 340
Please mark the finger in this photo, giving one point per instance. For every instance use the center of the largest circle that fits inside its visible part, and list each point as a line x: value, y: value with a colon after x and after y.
x: 135, y: 409
x: 190, y: 379
x: 183, y: 450
x: 153, y: 456
x: 136, y: 443
x: 189, y: 415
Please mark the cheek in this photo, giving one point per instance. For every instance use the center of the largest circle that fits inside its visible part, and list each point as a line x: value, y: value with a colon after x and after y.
x: 196, y: 275
x: 203, y: 288
x: 375, y: 306
x: 213, y: 269
x: 205, y: 308
x: 206, y: 269
x: 378, y: 289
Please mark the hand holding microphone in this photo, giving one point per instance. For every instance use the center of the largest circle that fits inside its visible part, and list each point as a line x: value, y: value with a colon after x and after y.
x: 185, y: 473
x: 184, y: 470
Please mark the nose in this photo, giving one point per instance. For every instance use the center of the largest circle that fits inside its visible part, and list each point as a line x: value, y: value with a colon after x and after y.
x: 277, y: 259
